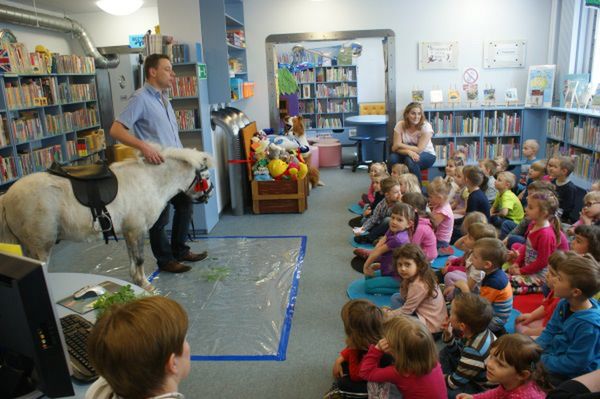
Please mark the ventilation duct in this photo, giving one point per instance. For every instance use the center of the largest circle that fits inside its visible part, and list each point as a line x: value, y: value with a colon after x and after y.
x: 61, y: 24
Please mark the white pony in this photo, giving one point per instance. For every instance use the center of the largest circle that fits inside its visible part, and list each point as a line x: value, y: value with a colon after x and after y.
x: 40, y: 208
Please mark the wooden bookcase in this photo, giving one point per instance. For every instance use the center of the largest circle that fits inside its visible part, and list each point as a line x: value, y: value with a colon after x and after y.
x: 47, y: 117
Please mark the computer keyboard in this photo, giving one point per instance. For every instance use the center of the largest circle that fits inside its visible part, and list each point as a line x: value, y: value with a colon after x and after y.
x: 76, y: 330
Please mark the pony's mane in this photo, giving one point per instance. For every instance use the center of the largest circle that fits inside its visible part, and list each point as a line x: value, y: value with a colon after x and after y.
x: 199, y: 160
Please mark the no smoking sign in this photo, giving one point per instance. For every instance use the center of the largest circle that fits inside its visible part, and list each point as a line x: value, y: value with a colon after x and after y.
x: 470, y: 76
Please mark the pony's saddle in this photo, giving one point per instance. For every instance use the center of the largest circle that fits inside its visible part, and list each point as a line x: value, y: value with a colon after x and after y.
x: 94, y: 186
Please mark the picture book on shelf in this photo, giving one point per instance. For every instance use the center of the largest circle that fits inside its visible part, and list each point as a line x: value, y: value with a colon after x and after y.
x: 418, y: 96
x: 453, y: 96
x: 471, y: 92
x: 586, y: 96
x: 540, y: 86
x: 570, y: 99
x: 436, y: 96
x: 511, y: 95
x: 489, y: 96
x: 582, y: 80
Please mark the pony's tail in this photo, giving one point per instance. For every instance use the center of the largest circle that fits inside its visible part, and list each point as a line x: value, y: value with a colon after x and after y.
x: 6, y: 236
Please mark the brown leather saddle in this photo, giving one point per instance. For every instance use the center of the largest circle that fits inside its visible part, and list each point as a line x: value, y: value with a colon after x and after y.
x: 94, y: 186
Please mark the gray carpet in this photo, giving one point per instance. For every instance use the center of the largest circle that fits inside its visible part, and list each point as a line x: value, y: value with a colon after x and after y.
x: 317, y: 333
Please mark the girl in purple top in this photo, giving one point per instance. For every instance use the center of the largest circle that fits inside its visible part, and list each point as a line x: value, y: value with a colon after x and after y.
x: 423, y: 234
x: 380, y: 274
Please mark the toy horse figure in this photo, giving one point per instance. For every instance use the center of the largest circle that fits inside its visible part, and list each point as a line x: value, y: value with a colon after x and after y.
x: 294, y: 128
x: 40, y: 208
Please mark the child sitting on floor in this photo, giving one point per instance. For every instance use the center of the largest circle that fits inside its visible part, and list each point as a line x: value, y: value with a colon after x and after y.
x: 506, y: 211
x: 416, y: 371
x: 461, y: 269
x: 476, y: 183
x: 380, y: 274
x: 533, y: 323
x: 399, y: 169
x: 419, y: 293
x: 423, y: 235
x: 587, y: 240
x: 515, y: 365
x: 376, y: 169
x: 488, y: 256
x: 363, y: 325
x: 377, y: 224
x: 560, y: 169
x: 590, y: 214
x: 461, y: 193
x: 530, y: 150
x: 536, y: 172
x: 455, y: 161
x: 409, y: 183
x: 488, y: 166
x: 440, y: 192
x: 543, y: 235
x: 571, y: 339
x: 472, y: 217
x: 468, y: 339
x: 502, y: 164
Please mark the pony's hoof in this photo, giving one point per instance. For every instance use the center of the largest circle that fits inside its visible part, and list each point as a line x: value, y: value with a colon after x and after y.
x: 320, y: 184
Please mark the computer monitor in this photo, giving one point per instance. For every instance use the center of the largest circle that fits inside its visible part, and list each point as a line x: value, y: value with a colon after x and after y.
x: 32, y: 348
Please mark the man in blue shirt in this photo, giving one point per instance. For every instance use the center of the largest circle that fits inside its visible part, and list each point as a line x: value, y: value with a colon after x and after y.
x: 149, y: 117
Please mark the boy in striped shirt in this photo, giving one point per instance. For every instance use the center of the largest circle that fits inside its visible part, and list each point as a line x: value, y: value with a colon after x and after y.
x: 488, y: 256
x: 468, y: 340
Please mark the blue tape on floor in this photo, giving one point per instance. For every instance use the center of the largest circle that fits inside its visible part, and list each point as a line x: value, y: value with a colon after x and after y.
x: 289, y: 313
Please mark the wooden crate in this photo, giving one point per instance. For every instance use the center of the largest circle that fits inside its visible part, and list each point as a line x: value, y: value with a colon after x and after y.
x: 281, y: 196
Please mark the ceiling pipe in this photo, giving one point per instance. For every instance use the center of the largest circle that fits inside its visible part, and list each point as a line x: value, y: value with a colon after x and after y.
x: 19, y: 16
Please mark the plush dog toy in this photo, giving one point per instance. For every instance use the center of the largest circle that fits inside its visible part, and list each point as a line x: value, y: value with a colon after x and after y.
x: 294, y: 128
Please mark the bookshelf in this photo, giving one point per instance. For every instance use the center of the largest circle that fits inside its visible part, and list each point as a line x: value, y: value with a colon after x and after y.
x: 575, y: 133
x: 48, y: 117
x: 479, y: 132
x: 224, y: 41
x: 327, y: 96
x: 184, y: 95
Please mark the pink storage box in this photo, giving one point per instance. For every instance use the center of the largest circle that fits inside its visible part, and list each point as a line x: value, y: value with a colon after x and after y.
x: 330, y: 152
x: 314, y: 156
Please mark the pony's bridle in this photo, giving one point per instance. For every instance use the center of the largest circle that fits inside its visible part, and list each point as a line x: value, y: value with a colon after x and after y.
x: 200, y: 184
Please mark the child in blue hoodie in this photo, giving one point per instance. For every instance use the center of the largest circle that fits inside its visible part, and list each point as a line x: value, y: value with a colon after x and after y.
x: 571, y: 340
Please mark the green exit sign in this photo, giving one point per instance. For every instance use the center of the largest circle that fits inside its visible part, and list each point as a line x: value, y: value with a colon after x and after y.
x: 202, y: 71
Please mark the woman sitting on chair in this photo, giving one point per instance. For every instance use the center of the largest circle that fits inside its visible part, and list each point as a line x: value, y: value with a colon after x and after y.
x: 412, y: 141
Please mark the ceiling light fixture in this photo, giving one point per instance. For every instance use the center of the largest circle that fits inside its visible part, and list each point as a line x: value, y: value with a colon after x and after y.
x: 119, y: 7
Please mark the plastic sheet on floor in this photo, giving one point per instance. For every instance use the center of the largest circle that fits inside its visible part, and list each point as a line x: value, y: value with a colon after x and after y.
x: 240, y: 300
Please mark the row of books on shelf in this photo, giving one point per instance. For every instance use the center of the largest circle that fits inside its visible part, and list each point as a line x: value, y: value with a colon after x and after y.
x: 340, y: 90
x: 17, y: 59
x: 510, y: 151
x: 306, y: 76
x: 184, y: 86
x: 443, y: 152
x: 28, y: 127
x: 336, y: 106
x: 587, y: 165
x: 80, y: 119
x: 504, y: 123
x: 75, y: 64
x: 587, y: 135
x: 8, y: 169
x: 336, y: 74
x: 306, y: 107
x: 88, y: 143
x: 46, y: 91
x: 455, y: 124
x: 4, y: 136
x: 327, y: 122
x: 236, y: 38
x: 555, y: 127
x: 178, y: 53
x: 186, y: 118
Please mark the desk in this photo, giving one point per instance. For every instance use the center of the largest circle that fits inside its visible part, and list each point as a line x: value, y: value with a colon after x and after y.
x: 373, y: 126
x: 62, y: 285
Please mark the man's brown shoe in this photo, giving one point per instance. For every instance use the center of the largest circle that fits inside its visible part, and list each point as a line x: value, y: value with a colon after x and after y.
x: 175, y: 267
x: 192, y: 257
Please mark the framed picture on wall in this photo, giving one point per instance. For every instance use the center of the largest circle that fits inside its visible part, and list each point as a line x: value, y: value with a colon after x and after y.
x: 438, y: 55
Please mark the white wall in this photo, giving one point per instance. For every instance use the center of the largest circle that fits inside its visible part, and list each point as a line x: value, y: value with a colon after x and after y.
x: 110, y: 30
x: 469, y: 22
x: 104, y: 29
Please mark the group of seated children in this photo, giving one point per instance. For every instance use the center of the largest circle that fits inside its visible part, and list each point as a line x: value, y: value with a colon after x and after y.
x: 514, y: 244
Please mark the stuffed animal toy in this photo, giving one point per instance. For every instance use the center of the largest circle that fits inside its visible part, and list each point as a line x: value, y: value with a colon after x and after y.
x: 295, y: 127
x: 285, y: 142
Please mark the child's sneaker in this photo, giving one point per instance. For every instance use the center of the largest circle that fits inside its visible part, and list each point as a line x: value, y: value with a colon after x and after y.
x: 446, y: 251
x: 362, y: 253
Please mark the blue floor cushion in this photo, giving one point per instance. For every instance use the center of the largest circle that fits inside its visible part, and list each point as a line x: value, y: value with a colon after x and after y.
x: 355, y: 208
x: 356, y: 290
